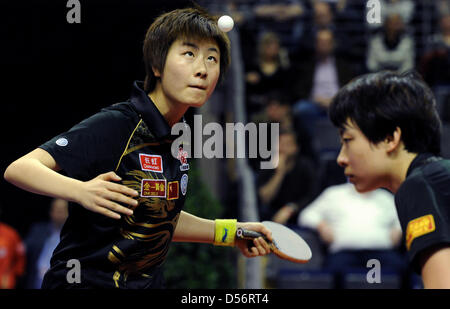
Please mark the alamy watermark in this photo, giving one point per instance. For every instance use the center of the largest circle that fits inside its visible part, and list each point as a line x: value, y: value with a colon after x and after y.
x: 74, y: 273
x: 235, y: 141
x: 373, y: 12
x: 374, y: 274
x: 73, y: 16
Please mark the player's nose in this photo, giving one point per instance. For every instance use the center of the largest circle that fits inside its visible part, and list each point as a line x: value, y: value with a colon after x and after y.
x: 201, y: 69
x: 342, y: 159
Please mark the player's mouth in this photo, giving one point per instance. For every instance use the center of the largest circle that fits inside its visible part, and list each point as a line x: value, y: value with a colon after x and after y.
x: 199, y: 87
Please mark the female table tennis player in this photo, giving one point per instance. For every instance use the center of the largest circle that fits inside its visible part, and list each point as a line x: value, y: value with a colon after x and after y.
x: 390, y: 132
x: 126, y: 189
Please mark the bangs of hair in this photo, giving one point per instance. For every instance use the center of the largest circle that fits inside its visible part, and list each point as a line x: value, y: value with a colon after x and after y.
x: 353, y: 102
x: 193, y: 25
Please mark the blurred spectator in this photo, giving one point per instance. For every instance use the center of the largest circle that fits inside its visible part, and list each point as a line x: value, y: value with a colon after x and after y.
x: 323, y: 15
x: 356, y: 227
x: 242, y: 13
x: 285, y: 190
x: 255, y: 17
x: 269, y: 72
x: 281, y: 16
x: 404, y: 8
x: 278, y: 109
x: 338, y: 4
x: 443, y: 6
x: 435, y: 63
x: 442, y: 38
x: 322, y: 18
x: 278, y: 10
x: 319, y: 77
x: 392, y: 48
x: 12, y: 257
x: 41, y: 241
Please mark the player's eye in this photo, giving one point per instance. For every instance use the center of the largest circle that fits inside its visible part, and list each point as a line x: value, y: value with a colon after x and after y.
x: 346, y: 140
x: 189, y: 54
x: 212, y: 59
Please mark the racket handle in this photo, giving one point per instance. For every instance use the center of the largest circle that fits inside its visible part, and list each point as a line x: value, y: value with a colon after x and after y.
x: 248, y: 234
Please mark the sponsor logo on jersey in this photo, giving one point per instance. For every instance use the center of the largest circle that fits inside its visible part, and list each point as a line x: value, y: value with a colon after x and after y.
x: 152, y: 163
x: 184, y: 182
x: 419, y: 227
x: 182, y: 156
x: 62, y: 141
x: 173, y: 188
x: 153, y: 188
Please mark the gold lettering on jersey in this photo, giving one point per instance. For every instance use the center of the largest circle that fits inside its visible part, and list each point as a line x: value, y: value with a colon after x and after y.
x: 154, y: 207
x: 153, y: 188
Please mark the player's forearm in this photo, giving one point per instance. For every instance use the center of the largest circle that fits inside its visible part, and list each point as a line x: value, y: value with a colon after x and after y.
x: 194, y: 229
x: 32, y: 175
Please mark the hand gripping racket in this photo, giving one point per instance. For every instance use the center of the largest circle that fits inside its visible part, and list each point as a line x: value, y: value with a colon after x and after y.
x: 286, y: 244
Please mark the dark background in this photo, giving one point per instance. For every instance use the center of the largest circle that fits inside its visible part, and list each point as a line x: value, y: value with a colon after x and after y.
x: 55, y: 74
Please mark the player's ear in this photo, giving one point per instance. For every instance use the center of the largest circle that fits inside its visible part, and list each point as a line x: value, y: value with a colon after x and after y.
x: 156, y: 72
x: 393, y: 141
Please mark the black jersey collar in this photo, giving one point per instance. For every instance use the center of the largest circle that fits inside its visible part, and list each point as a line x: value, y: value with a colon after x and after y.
x: 419, y: 160
x: 149, y: 112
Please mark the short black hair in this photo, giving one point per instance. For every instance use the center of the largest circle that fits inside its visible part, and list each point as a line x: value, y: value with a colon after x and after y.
x: 380, y: 102
x: 193, y: 22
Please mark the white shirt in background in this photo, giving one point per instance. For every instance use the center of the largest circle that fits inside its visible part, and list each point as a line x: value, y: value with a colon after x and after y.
x: 358, y: 221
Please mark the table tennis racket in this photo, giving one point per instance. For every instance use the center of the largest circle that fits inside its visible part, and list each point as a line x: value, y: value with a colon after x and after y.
x: 286, y: 243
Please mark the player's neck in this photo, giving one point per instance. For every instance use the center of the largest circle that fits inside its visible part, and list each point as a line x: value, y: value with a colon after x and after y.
x: 171, y: 111
x: 400, y: 166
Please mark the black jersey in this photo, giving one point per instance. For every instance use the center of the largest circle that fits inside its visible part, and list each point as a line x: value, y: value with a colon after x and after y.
x: 133, y: 139
x: 423, y: 205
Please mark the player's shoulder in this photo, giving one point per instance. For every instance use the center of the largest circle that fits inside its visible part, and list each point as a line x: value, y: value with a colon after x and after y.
x: 121, y: 108
x: 119, y: 111
x: 114, y: 117
x: 435, y: 174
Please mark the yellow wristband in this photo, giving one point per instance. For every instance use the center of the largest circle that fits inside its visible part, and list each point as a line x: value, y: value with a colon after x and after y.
x: 225, y: 232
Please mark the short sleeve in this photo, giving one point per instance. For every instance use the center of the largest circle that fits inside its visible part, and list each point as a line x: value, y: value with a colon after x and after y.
x: 423, y: 217
x: 90, y: 147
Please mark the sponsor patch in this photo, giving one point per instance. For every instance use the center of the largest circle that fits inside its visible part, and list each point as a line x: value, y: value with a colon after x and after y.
x: 62, y: 142
x: 153, y: 188
x: 419, y: 227
x: 184, y: 182
x: 173, y: 188
x: 152, y: 163
x: 184, y: 167
x: 182, y: 156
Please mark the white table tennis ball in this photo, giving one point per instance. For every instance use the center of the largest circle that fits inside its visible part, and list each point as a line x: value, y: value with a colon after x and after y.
x: 225, y: 23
